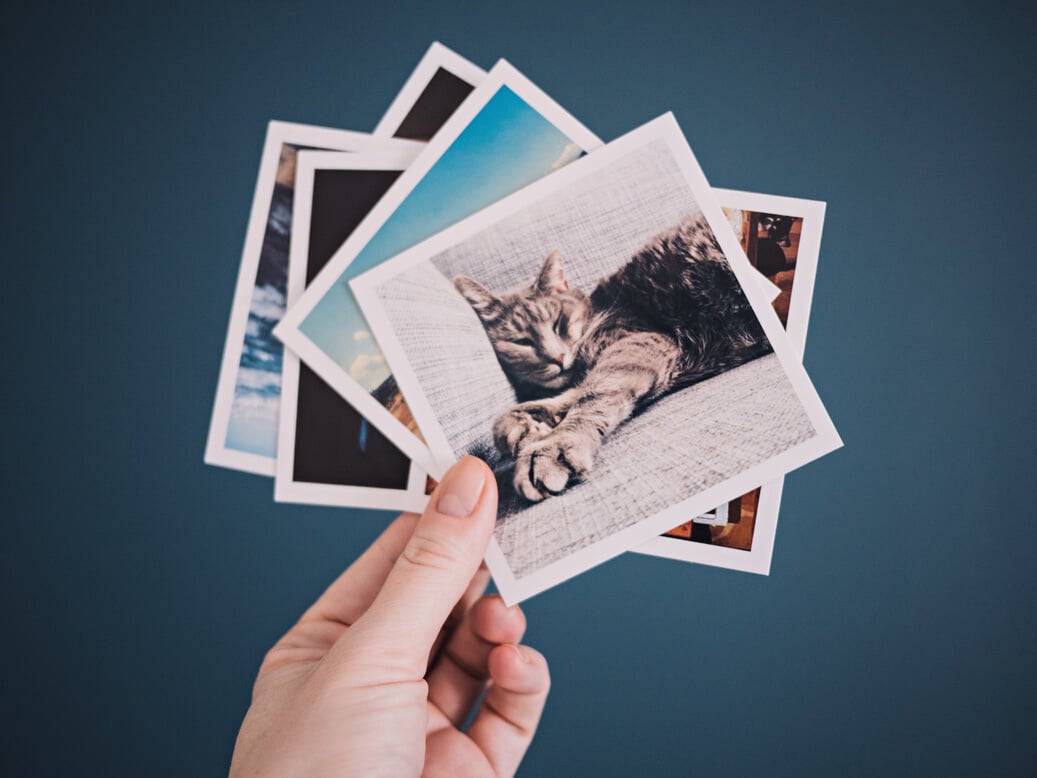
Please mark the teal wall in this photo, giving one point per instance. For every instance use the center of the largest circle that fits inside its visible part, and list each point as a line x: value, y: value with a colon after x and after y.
x: 141, y: 588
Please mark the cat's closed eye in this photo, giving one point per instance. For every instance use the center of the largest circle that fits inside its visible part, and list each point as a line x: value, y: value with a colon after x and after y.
x: 523, y: 342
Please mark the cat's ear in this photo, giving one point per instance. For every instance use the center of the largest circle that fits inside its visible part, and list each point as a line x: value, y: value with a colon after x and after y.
x: 483, y: 301
x: 552, y: 275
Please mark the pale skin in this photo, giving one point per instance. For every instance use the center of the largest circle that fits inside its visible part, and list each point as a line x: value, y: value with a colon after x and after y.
x: 378, y: 676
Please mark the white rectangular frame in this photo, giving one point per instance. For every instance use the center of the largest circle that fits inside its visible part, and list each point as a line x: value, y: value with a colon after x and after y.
x: 278, y: 133
x: 437, y: 57
x: 441, y: 455
x: 286, y: 488
x: 289, y: 330
x: 758, y: 558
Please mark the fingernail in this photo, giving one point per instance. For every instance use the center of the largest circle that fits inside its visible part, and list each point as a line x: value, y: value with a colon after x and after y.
x: 461, y: 488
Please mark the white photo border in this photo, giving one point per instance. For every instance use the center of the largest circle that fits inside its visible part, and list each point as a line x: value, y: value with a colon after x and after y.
x: 826, y: 439
x: 436, y: 58
x: 289, y: 330
x: 278, y: 134
x: 286, y: 488
x: 758, y: 558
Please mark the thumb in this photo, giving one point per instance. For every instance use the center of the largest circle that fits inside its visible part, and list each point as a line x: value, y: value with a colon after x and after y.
x: 433, y: 570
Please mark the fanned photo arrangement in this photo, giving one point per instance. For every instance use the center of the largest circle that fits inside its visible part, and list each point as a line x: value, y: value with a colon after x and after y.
x: 623, y: 366
x: 482, y: 275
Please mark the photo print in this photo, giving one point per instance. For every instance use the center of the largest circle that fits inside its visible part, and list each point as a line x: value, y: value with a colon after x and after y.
x: 507, y: 134
x: 243, y: 427
x: 781, y: 236
x: 327, y: 453
x: 441, y: 81
x: 600, y: 339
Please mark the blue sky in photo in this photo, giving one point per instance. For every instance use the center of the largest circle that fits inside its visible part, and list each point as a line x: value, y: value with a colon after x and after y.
x: 507, y: 146
x: 252, y: 426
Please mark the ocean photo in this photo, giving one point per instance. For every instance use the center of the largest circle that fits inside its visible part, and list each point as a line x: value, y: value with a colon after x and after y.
x: 257, y: 389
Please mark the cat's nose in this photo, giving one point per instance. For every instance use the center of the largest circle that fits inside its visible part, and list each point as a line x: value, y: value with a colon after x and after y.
x: 565, y: 360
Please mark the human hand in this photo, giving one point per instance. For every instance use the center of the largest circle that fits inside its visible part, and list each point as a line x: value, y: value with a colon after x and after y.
x: 380, y: 673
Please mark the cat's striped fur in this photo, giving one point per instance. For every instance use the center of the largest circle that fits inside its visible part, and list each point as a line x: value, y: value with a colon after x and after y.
x: 673, y: 315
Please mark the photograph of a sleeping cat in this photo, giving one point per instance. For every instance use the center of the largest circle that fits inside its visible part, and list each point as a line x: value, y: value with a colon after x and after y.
x: 584, y: 363
x: 601, y: 342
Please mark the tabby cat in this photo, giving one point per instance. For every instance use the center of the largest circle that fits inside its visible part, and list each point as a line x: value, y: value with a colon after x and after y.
x: 674, y: 314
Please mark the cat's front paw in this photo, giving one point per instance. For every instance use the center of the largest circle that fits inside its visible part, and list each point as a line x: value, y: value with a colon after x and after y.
x: 547, y: 467
x: 521, y: 426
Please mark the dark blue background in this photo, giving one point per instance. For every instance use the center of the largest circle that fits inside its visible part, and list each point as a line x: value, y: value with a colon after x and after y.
x: 141, y: 588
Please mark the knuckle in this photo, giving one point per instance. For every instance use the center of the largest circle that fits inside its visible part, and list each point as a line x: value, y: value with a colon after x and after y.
x: 432, y: 553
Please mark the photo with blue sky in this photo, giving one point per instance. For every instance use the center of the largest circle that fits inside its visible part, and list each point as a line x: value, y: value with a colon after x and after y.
x: 505, y: 147
x: 252, y: 427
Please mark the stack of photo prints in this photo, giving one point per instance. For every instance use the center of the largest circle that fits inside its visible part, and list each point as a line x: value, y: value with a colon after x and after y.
x: 618, y: 340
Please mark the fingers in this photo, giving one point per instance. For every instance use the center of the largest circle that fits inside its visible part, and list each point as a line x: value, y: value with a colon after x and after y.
x: 462, y: 668
x: 476, y: 589
x: 431, y: 574
x: 511, y: 710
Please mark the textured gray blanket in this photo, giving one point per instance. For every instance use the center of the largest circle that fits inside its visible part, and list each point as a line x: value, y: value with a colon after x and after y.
x: 679, y: 446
